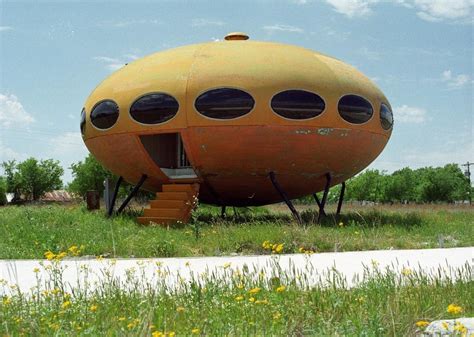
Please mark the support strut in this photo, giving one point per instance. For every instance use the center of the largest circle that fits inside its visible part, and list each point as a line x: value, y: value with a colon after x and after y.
x: 285, y: 197
x: 223, y: 212
x: 325, y: 196
x: 110, y: 211
x: 132, y: 193
x: 341, y: 198
x: 318, y: 203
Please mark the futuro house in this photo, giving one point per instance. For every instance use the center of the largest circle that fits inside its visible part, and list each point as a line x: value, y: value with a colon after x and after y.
x: 239, y: 122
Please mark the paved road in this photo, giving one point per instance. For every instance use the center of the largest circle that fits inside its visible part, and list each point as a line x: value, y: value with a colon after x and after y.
x: 26, y: 274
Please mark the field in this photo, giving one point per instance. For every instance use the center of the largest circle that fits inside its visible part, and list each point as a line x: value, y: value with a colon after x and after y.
x: 27, y: 232
x: 385, y: 303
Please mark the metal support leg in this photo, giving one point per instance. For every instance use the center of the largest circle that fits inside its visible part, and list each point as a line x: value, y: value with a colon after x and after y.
x: 132, y: 194
x: 223, y: 212
x: 285, y: 197
x: 318, y: 203
x: 341, y: 197
x: 325, y: 196
x: 114, y: 197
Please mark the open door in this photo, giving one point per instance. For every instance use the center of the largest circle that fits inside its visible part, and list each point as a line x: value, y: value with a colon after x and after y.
x: 168, y: 152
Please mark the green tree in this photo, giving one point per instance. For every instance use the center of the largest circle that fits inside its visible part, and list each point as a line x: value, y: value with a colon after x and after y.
x: 446, y: 183
x: 3, y: 191
x: 369, y: 185
x: 88, y: 175
x: 400, y: 186
x: 32, y: 178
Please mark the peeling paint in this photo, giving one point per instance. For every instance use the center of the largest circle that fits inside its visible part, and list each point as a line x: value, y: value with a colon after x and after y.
x: 303, y: 132
x: 204, y: 148
x: 325, y: 131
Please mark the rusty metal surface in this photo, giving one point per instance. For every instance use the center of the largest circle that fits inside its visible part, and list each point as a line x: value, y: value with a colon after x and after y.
x: 233, y: 158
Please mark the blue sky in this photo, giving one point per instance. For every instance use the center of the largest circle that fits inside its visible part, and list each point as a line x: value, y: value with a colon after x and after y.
x: 419, y: 52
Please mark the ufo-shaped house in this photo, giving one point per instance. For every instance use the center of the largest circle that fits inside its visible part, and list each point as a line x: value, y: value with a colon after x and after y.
x: 240, y: 122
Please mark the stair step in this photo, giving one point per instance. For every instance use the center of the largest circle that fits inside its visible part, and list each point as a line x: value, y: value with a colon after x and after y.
x: 166, y: 212
x: 178, y: 188
x: 147, y: 220
x: 168, y: 204
x: 173, y: 196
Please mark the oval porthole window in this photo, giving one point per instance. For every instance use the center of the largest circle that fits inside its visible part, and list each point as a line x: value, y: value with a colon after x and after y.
x: 386, y: 116
x: 224, y: 103
x: 355, y: 109
x: 105, y: 114
x: 154, y: 108
x: 83, y: 120
x: 297, y: 104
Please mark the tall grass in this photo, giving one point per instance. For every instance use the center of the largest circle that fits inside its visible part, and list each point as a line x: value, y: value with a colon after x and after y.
x: 29, y: 231
x: 238, y: 303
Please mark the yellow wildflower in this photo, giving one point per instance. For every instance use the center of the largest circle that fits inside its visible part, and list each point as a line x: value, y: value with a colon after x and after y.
x: 157, y: 334
x: 261, y: 301
x: 445, y: 325
x: 341, y: 224
x: 255, y: 290
x: 406, y: 271
x: 454, y: 309
x: 66, y: 304
x: 171, y: 334
x: 195, y: 331
x: 460, y: 328
x: 252, y: 299
x: 301, y: 249
x: 266, y: 244
x: 239, y: 298
x: 121, y: 319
x: 280, y: 289
x: 279, y: 248
x: 49, y: 255
x: 180, y: 309
x: 60, y: 256
x: 93, y: 308
x: 36, y: 270
x: 6, y: 301
x: 422, y: 324
x: 240, y: 286
x: 130, y: 326
x: 276, y: 315
x: 226, y: 265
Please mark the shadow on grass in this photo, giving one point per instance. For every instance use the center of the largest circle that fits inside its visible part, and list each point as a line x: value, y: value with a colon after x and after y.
x: 371, y: 218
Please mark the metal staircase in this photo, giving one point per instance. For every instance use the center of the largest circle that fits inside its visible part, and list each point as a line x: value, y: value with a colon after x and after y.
x: 175, y: 203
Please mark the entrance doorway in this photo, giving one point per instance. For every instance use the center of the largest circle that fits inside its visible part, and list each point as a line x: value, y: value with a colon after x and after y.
x: 168, y: 152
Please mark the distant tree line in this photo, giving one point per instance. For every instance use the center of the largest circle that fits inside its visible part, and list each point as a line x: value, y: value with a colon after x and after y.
x: 32, y: 178
x: 423, y: 185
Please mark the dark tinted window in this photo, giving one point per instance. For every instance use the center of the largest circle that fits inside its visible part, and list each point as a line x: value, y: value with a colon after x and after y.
x: 386, y: 117
x: 83, y: 120
x: 105, y: 114
x: 355, y: 109
x: 224, y: 103
x: 297, y: 104
x: 154, y: 108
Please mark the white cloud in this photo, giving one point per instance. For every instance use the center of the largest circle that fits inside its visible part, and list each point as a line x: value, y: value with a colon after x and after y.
x: 128, y: 23
x: 7, y: 153
x: 12, y: 112
x: 455, y: 82
x: 369, y: 54
x: 283, y: 28
x: 206, y: 22
x: 353, y: 8
x: 68, y: 148
x: 408, y: 114
x: 5, y: 28
x: 438, y: 10
x: 428, y: 10
x: 113, y: 64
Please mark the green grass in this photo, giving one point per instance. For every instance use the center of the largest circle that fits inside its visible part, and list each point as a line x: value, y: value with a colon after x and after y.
x: 383, y: 304
x: 29, y: 231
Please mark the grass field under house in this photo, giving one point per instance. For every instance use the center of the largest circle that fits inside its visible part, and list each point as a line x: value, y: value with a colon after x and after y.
x: 30, y: 231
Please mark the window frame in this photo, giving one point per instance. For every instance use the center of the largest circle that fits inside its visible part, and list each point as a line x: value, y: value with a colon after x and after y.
x: 97, y: 104
x: 296, y: 120
x: 153, y: 93
x: 380, y: 116
x: 224, y: 119
x: 365, y: 98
